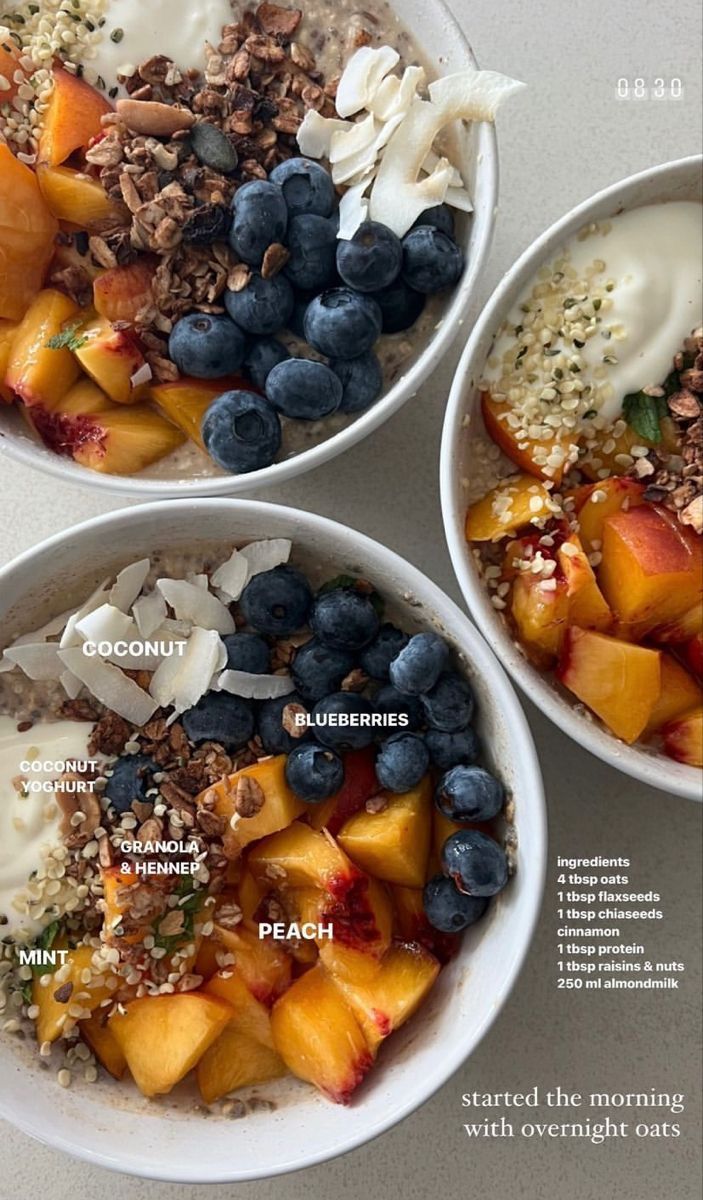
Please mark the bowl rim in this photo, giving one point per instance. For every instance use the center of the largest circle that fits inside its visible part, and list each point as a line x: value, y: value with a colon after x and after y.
x: 505, y: 699
x: 647, y: 767
x: 485, y: 153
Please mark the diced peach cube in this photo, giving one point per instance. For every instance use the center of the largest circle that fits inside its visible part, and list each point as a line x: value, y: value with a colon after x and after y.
x: 683, y: 738
x: 27, y: 233
x: 395, y: 992
x: 540, y: 610
x: 74, y: 196
x: 113, y: 358
x: 511, y: 505
x: 39, y: 375
x: 598, y: 501
x: 587, y: 605
x: 521, y: 450
x: 393, y: 844
x: 163, y: 1037
x: 620, y: 682
x: 96, y: 1032
x: 73, y: 119
x: 301, y: 857
x: 679, y: 693
x: 281, y: 806
x: 121, y: 292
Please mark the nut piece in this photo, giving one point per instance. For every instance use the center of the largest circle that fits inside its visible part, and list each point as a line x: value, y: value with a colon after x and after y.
x: 249, y: 797
x: 153, y: 119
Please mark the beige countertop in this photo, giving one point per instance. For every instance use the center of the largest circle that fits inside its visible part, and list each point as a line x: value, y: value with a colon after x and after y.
x: 565, y: 138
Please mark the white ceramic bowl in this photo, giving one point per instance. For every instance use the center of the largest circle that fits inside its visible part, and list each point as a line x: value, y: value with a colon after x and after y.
x: 446, y: 49
x: 679, y: 180
x: 96, y: 1122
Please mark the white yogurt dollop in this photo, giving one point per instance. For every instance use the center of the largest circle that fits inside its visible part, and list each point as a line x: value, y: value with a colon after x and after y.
x: 29, y: 818
x: 134, y: 31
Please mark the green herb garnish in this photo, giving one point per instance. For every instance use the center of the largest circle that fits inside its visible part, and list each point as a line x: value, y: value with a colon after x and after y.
x: 643, y: 414
x: 68, y: 338
x: 45, y: 941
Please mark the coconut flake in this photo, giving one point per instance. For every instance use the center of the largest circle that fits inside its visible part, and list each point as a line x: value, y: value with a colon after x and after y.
x: 265, y: 555
x: 110, y: 686
x: 105, y: 624
x: 38, y: 660
x: 129, y: 584
x: 199, y: 581
x: 472, y: 95
x: 191, y: 603
x: 362, y: 77
x: 98, y: 597
x: 141, y: 376
x: 50, y: 629
x: 353, y: 209
x: 316, y: 132
x: 205, y: 656
x: 163, y: 682
x: 255, y: 687
x: 394, y: 96
x: 149, y: 612
x: 433, y: 161
x: 459, y: 198
x: 70, y: 684
x: 231, y: 576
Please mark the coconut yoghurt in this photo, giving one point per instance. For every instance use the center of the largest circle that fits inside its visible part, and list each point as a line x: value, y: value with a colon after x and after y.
x: 30, y: 815
x: 178, y: 29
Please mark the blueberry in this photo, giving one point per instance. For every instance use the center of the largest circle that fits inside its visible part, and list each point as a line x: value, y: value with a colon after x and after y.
x: 345, y: 619
x: 206, y: 346
x: 319, y: 669
x: 314, y: 772
x: 441, y: 216
x: 222, y: 718
x: 247, y: 652
x: 431, y: 260
x: 400, y: 306
x: 475, y: 862
x: 342, y: 324
x: 130, y: 780
x: 361, y: 379
x: 371, y: 259
x: 448, y: 909
x: 402, y: 762
x: 389, y: 700
x: 448, y: 750
x: 345, y: 707
x: 275, y: 738
x: 304, y: 389
x: 468, y: 793
x: 264, y: 306
x: 450, y: 704
x: 277, y: 602
x: 307, y: 187
x: 417, y: 667
x: 296, y: 321
x: 312, y: 243
x: 241, y: 432
x: 263, y: 356
x: 378, y: 656
x: 259, y: 218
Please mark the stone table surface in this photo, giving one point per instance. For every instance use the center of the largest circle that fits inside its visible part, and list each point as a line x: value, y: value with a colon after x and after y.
x: 566, y: 137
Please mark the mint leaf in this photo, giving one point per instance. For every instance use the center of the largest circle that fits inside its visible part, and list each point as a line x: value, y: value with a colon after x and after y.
x: 67, y: 339
x: 45, y: 941
x: 642, y: 414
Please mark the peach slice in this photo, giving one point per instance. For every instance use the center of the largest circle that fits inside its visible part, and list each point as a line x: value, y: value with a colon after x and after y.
x: 679, y: 693
x: 112, y: 358
x: 236, y: 1061
x: 118, y: 441
x: 508, y: 507
x: 261, y: 963
x: 75, y: 197
x: 652, y: 569
x: 73, y: 119
x: 620, y: 682
x: 104, y: 1045
x: 693, y: 655
x: 393, y: 844
x: 8, y: 330
x: 683, y: 738
x: 163, y: 1037
x: 250, y: 1015
x: 27, y: 233
x: 38, y: 374
x: 54, y: 1017
x: 360, y: 784
x: 281, y: 806
x: 301, y: 857
x: 319, y: 1038
x: 411, y: 924
x: 596, y: 502
x: 683, y: 629
x: 395, y: 992
x: 250, y: 893
x: 587, y: 605
x: 540, y: 610
x: 120, y: 293
x: 86, y: 397
x: 519, y: 449
x: 361, y: 937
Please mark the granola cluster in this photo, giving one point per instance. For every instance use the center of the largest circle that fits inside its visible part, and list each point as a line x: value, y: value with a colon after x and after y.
x: 175, y: 152
x: 679, y: 482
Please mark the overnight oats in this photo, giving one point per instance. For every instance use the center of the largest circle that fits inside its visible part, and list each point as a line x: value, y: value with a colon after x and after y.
x: 225, y: 232
x: 245, y: 819
x: 586, y: 487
